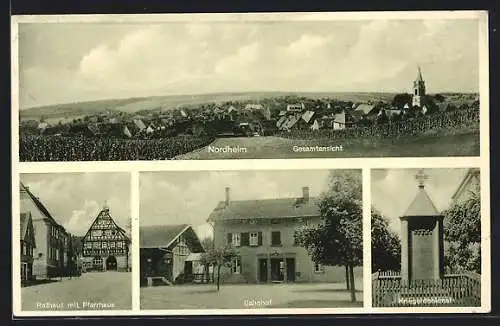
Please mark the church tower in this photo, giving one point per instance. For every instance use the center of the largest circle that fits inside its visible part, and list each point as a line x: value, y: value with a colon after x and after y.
x: 418, y: 90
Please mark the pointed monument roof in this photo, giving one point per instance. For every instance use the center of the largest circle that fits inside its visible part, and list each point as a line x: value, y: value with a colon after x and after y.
x: 419, y: 75
x: 422, y: 204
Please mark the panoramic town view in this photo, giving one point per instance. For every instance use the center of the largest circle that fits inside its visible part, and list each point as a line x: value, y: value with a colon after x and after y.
x: 75, y: 242
x: 287, y: 89
x: 251, y: 240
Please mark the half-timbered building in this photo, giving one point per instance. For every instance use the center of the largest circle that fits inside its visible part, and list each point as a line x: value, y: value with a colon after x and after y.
x: 105, y: 246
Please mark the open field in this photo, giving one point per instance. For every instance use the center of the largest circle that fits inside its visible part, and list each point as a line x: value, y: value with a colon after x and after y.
x: 114, y: 289
x: 240, y: 296
x: 271, y: 147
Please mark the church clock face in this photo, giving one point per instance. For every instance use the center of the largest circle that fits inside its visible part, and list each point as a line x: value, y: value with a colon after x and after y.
x: 104, y: 237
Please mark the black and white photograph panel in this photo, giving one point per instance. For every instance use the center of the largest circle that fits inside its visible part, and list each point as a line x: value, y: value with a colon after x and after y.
x: 75, y: 241
x: 426, y: 238
x: 255, y: 87
x: 251, y: 239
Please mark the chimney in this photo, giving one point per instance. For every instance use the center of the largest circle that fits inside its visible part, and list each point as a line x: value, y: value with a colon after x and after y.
x: 305, y: 193
x: 228, y: 199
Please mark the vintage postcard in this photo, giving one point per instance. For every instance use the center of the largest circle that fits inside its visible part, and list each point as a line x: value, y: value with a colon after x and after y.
x: 257, y: 163
x: 248, y: 86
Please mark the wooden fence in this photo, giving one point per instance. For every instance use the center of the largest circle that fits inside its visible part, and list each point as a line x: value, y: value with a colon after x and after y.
x: 448, y: 121
x: 389, y: 290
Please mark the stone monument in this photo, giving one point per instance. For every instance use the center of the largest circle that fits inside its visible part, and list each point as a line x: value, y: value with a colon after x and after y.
x: 422, y: 242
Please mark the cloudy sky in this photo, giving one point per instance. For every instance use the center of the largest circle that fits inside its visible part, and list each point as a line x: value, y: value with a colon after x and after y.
x: 71, y: 62
x: 190, y: 197
x: 75, y: 199
x: 393, y: 190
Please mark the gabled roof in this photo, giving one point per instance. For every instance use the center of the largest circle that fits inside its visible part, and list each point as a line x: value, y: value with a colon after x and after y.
x: 280, y: 122
x: 139, y: 124
x: 164, y: 236
x: 25, y: 220
x: 37, y: 202
x: 468, y: 176
x: 109, y: 221
x: 290, y: 121
x: 266, y: 208
x: 307, y: 116
x: 365, y: 108
x: 422, y: 205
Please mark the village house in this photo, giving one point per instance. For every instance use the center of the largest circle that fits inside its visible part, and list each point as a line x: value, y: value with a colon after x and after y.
x: 51, y: 255
x: 139, y: 124
x: 298, y: 107
x: 105, y: 246
x: 338, y: 121
x: 170, y: 252
x: 262, y: 233
x: 470, y: 184
x: 288, y: 122
x: 257, y: 111
x: 28, y: 244
x: 366, y: 110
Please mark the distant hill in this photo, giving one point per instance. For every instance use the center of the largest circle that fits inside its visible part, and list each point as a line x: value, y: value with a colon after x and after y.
x: 132, y: 105
x: 74, y: 109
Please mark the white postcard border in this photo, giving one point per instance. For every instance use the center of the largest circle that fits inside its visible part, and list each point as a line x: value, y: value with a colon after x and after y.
x: 366, y: 164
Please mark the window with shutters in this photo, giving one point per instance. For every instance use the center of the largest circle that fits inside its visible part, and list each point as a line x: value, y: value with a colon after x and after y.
x: 236, y: 265
x: 254, y: 239
x: 276, y: 238
x: 236, y: 240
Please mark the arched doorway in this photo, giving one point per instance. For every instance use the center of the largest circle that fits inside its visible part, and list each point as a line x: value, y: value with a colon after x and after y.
x: 111, y: 264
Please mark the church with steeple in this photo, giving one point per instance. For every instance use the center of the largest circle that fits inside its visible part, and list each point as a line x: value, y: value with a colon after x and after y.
x: 419, y: 95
